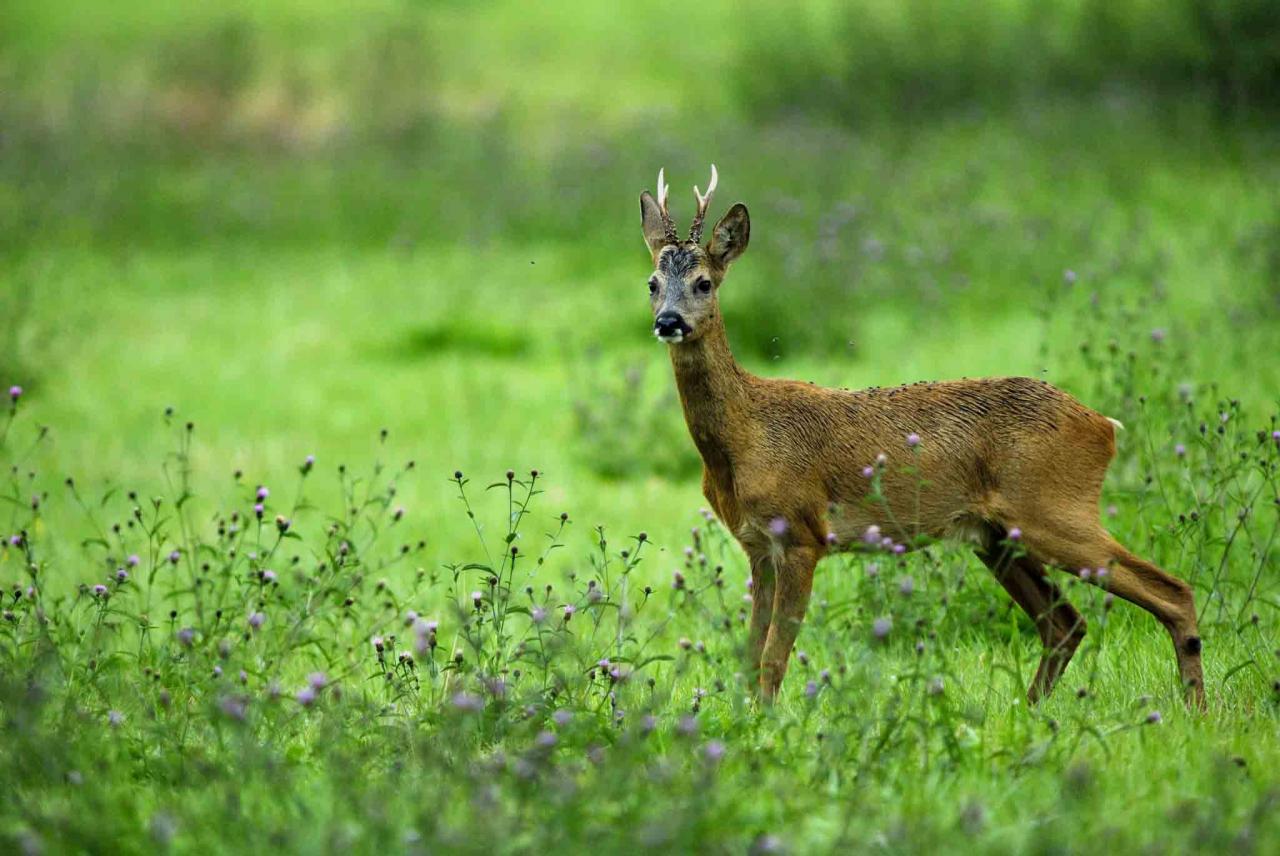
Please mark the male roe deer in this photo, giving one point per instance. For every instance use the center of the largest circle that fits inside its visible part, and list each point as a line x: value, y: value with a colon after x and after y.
x: 784, y: 469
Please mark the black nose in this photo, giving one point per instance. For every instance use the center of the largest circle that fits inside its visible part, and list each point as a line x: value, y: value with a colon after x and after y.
x: 670, y: 324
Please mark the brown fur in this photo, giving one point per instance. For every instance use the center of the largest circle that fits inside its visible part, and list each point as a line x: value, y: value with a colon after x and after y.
x: 995, y: 454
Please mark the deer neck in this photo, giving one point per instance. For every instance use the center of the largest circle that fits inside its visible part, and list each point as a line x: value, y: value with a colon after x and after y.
x: 713, y: 393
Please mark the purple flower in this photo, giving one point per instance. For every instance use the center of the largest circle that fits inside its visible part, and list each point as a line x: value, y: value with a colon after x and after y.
x: 1180, y: 450
x: 545, y: 740
x: 15, y: 540
x: 881, y: 626
x: 688, y: 725
x: 833, y: 539
x: 872, y: 535
x: 873, y: 570
x: 317, y: 680
x: 233, y: 706
x: 811, y: 689
x: 115, y: 718
x: 186, y: 636
x: 1158, y: 334
x: 122, y: 575
x: 778, y: 527
x: 1069, y: 276
x: 569, y: 611
x: 263, y: 493
x: 15, y: 392
x: 174, y: 556
x: 468, y: 702
x: 714, y: 751
x: 476, y: 599
x: 377, y: 643
x: 133, y: 561
x: 913, y: 439
x: 562, y: 717
x: 1154, y: 718
x: 906, y: 586
x: 99, y: 590
x: 1275, y: 435
x: 258, y: 509
x: 899, y: 548
x: 538, y: 615
x: 306, y: 696
x: 868, y: 472
x: 1015, y: 534
x: 268, y: 576
x: 256, y: 620
x: 308, y: 463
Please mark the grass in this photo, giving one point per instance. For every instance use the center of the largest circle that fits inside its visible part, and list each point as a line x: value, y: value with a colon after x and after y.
x: 444, y: 246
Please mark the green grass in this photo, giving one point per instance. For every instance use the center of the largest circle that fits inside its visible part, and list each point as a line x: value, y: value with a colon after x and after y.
x: 422, y: 218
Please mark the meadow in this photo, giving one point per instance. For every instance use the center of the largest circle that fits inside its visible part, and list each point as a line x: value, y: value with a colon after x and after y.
x: 348, y: 503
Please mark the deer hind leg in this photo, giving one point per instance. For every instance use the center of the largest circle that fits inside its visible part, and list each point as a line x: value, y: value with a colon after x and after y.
x: 1060, y: 626
x: 762, y: 596
x: 791, y: 598
x: 1080, y: 545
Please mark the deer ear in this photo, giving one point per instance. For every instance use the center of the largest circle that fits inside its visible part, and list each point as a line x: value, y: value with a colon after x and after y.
x: 730, y: 236
x: 655, y: 231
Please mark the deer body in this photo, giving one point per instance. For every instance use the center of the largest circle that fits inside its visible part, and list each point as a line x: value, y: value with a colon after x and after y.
x: 789, y: 469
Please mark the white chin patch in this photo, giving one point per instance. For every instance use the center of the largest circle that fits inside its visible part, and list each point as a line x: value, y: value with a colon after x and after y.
x: 670, y: 340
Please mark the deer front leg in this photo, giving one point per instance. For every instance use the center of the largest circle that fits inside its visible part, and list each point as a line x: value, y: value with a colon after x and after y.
x: 762, y: 593
x: 793, y: 586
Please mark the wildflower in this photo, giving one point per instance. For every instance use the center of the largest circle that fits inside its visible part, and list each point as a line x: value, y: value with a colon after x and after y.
x: 256, y: 620
x: 825, y: 676
x: 936, y: 685
x: 873, y: 570
x: 283, y: 523
x: 684, y: 643
x: 868, y: 472
x: 714, y: 751
x: 410, y: 617
x: 15, y: 540
x: 913, y: 439
x: 882, y: 459
x: 258, y: 509
x: 263, y: 493
x: 872, y: 535
x: 1154, y: 718
x: 174, y: 556
x: 1112, y: 510
x: 906, y: 586
x: 476, y: 599
x: 306, y: 696
x: 186, y: 636
x: 647, y: 723
x: 562, y: 717
x: 308, y: 463
x: 1275, y: 435
x: 378, y: 644
x: 1180, y: 450
x: 833, y: 539
x: 881, y: 626
x: 233, y: 706
x: 406, y: 658
x: 15, y: 392
x: 122, y: 575
x: 568, y: 612
x: 1158, y: 335
x: 677, y: 581
x: 545, y: 740
x: 1069, y: 276
x: 687, y: 726
x: 778, y: 527
x: 217, y: 671
x: 399, y: 513
x: 133, y: 561
x: 538, y: 614
x: 468, y: 702
x: 115, y: 718
x: 811, y: 689
x: 268, y: 576
x: 899, y: 549
x: 317, y: 680
x: 803, y: 658
x: 99, y: 590
x: 1015, y: 534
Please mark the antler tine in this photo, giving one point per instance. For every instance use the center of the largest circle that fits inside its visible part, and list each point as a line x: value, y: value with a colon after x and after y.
x: 667, y: 224
x: 695, y: 230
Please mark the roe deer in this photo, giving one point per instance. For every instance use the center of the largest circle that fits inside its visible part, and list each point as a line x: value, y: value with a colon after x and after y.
x: 786, y: 466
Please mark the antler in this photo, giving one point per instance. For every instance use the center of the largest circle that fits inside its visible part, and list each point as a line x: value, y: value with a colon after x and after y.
x: 695, y: 230
x: 667, y: 224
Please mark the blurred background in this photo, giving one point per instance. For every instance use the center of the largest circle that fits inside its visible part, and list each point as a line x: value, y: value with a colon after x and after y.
x: 302, y: 221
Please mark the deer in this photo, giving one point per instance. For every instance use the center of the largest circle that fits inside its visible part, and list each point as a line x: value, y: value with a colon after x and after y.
x: 1012, y: 466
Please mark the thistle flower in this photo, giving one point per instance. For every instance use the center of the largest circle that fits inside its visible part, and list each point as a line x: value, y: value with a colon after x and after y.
x: 174, y: 556
x: 545, y: 740
x: 872, y: 535
x: 1015, y: 534
x: 133, y: 561
x: 833, y: 539
x: 868, y: 472
x: 1158, y: 335
x: 778, y: 527
x: 256, y: 620
x: 258, y: 509
x: 538, y: 615
x: 268, y: 576
x: 187, y: 636
x: 399, y: 513
x: 1154, y: 718
x: 562, y: 717
x: 308, y: 463
x: 906, y: 586
x: 306, y: 696
x: 811, y: 689
x: 913, y: 439
x: 468, y: 702
x: 233, y: 706
x: 569, y: 610
x: 714, y: 751
x: 15, y: 392
x: 1180, y: 450
x: 115, y: 718
x: 99, y: 590
x: 122, y: 575
x: 687, y: 726
x: 263, y: 493
x: 317, y: 680
x: 378, y: 644
x: 881, y: 626
x: 283, y: 523
x: 477, y: 599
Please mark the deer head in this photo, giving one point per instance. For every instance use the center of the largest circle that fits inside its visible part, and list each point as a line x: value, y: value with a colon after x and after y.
x: 687, y: 275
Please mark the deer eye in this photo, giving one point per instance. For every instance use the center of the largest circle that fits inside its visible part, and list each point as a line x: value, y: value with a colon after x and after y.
x: 703, y: 286
x: 653, y: 286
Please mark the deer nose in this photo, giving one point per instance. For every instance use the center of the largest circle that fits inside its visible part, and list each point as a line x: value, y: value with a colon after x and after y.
x: 669, y: 325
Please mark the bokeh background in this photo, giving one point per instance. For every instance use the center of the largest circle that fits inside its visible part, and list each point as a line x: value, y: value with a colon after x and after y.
x: 302, y: 221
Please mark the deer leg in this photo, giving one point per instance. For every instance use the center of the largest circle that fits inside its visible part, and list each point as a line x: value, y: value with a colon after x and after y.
x: 762, y: 596
x: 1136, y: 580
x: 1060, y: 626
x: 793, y: 586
